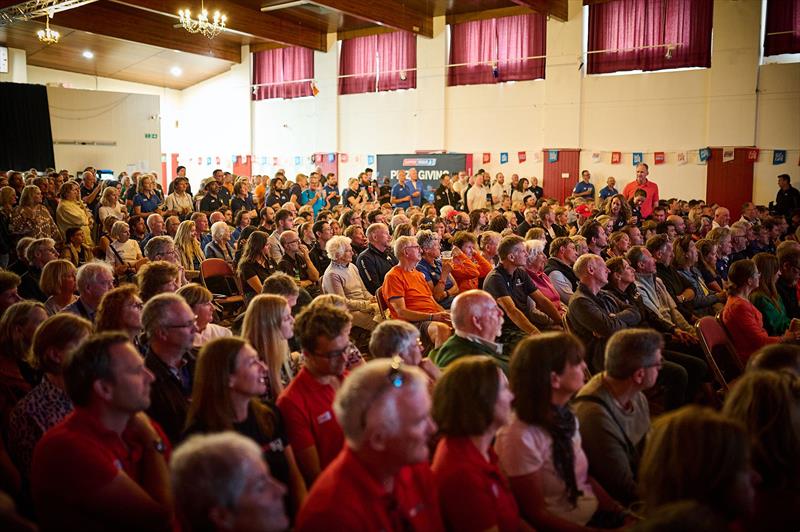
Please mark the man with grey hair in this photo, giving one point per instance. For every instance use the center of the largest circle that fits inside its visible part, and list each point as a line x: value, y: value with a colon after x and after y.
x: 297, y: 263
x: 221, y: 482
x: 171, y: 225
x: 155, y: 227
x: 594, y: 315
x: 381, y: 480
x: 409, y: 297
x: 39, y: 252
x: 93, y: 279
x: 163, y: 248
x: 613, y: 413
x: 375, y: 262
x: 437, y: 271
x: 478, y: 323
x: 170, y: 326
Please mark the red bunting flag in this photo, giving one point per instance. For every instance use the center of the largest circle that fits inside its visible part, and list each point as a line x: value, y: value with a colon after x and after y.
x: 342, y: 157
x: 616, y: 157
x: 659, y: 157
x: 487, y: 157
x: 752, y: 154
x: 318, y: 158
x: 522, y: 156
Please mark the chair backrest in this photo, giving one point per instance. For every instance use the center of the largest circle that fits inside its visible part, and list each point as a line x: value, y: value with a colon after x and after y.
x: 382, y: 307
x: 720, y: 353
x: 218, y: 276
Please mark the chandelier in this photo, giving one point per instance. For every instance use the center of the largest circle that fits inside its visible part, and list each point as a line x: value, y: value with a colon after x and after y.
x: 47, y: 35
x: 202, y: 24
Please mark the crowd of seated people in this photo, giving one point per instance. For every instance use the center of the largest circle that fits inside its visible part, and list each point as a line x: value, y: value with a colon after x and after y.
x: 273, y: 353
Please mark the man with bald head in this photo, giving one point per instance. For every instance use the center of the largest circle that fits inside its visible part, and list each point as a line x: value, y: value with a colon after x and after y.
x: 722, y: 217
x: 477, y: 321
x: 678, y: 222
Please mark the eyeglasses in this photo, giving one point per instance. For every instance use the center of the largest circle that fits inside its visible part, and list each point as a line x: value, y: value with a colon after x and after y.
x: 182, y: 325
x: 656, y: 365
x: 291, y: 242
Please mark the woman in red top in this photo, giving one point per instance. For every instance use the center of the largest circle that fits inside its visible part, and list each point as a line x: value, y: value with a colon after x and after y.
x: 742, y: 319
x: 470, y: 402
x: 469, y: 266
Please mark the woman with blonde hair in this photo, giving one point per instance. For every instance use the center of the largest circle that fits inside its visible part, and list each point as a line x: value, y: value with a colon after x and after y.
x: 71, y: 211
x: 47, y: 403
x: 58, y: 283
x: 120, y: 309
x: 147, y: 199
x: 201, y: 300
x: 268, y: 325
x: 31, y: 218
x: 110, y: 205
x: 188, y: 248
x: 229, y: 379
x: 124, y: 253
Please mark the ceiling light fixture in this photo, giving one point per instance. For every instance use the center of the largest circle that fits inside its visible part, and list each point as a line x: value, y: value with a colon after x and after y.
x: 202, y: 24
x: 88, y: 54
x: 47, y: 35
x: 176, y: 71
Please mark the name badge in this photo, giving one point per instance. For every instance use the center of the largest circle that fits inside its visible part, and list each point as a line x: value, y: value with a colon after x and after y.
x: 322, y: 418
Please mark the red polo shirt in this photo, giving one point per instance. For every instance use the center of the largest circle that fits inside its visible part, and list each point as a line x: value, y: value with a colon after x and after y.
x: 649, y: 202
x: 307, y: 409
x: 346, y: 497
x: 473, y: 494
x: 75, y: 460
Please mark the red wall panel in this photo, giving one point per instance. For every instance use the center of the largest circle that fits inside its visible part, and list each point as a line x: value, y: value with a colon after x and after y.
x: 554, y: 185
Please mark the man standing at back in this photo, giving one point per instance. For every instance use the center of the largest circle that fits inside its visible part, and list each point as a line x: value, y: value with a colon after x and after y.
x: 103, y: 467
x: 641, y: 182
x: 402, y: 192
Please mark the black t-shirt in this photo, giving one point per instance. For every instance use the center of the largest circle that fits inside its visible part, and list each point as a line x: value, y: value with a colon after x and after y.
x: 518, y: 285
x: 251, y: 269
x: 272, y: 445
x: 296, y: 267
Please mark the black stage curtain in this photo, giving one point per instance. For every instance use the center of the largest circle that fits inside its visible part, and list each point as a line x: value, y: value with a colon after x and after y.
x: 27, y: 141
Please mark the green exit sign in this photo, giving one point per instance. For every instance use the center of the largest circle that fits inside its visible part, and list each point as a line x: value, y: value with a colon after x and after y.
x: 151, y: 135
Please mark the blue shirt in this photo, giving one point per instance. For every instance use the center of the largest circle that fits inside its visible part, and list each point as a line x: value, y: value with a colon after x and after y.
x: 419, y: 187
x: 307, y: 196
x: 402, y: 191
x: 583, y: 186
x: 147, y: 204
x: 607, y: 192
x: 433, y: 273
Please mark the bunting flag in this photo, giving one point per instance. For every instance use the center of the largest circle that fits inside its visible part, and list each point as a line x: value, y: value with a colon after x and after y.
x: 659, y: 157
x: 503, y: 157
x: 208, y: 161
x: 682, y: 157
x: 552, y: 156
x: 297, y: 160
x: 331, y: 157
x: 752, y: 154
x: 218, y: 160
x: 263, y: 160
x: 728, y: 154
x: 616, y: 157
x: 318, y: 158
x: 370, y: 160
x: 487, y: 158
x: 704, y: 154
x: 638, y: 158
x: 778, y: 157
x: 522, y: 156
x: 537, y: 156
x: 233, y: 159
x: 343, y: 157
x: 595, y: 157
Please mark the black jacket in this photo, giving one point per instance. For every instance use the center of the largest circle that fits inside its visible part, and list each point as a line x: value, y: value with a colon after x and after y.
x: 373, y: 266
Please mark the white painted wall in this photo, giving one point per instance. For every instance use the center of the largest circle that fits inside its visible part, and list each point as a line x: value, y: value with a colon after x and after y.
x: 17, y: 61
x: 735, y: 102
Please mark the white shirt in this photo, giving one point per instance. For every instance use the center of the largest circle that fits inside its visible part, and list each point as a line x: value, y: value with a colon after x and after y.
x: 476, y: 198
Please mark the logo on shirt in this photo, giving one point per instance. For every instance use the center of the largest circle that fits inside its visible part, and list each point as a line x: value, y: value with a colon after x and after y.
x: 322, y: 418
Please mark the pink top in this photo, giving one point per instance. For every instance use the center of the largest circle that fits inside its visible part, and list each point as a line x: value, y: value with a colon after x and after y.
x: 545, y: 286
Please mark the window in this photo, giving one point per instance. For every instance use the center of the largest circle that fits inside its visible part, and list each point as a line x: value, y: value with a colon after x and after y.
x: 497, y: 50
x: 384, y: 62
x: 782, y: 27
x: 283, y: 73
x: 649, y: 35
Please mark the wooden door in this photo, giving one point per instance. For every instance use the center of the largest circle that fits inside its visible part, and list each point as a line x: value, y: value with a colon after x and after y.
x: 560, y: 176
x: 729, y: 184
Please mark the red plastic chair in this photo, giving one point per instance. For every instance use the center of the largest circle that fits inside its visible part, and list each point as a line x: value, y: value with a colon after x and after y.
x: 720, y: 353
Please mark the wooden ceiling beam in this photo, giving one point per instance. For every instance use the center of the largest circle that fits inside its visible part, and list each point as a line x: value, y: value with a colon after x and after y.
x: 122, y: 22
x: 558, y: 9
x: 242, y: 19
x: 391, y: 13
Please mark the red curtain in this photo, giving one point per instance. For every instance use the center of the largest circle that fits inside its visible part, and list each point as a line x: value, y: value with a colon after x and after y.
x: 496, y: 50
x: 384, y: 62
x: 783, y: 16
x: 397, y: 61
x: 357, y: 65
x: 276, y: 73
x: 517, y: 38
x: 622, y: 25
